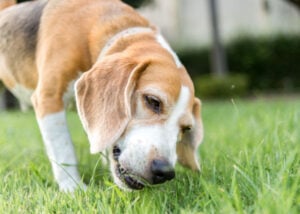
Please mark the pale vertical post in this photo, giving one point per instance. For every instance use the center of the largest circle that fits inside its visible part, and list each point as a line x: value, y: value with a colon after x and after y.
x: 218, y: 62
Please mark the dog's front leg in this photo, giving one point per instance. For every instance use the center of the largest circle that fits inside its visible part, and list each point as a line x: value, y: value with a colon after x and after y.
x: 60, y: 151
x: 52, y: 122
x: 59, y: 59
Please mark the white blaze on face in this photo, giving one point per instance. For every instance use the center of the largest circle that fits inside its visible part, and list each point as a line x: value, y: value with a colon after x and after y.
x: 172, y: 124
x: 154, y: 141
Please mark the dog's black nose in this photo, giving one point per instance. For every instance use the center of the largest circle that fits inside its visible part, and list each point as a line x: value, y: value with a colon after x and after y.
x: 161, y: 171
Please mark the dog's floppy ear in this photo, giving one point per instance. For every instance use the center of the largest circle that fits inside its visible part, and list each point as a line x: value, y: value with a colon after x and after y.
x: 187, y: 147
x: 103, y: 97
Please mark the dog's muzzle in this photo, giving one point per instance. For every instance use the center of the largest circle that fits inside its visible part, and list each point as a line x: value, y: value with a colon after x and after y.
x: 161, y: 171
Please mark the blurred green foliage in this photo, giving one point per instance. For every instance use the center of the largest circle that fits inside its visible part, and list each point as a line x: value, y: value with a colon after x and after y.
x: 270, y: 63
x: 209, y: 86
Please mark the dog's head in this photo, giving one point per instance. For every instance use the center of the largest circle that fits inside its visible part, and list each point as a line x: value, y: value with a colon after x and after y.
x: 144, y: 113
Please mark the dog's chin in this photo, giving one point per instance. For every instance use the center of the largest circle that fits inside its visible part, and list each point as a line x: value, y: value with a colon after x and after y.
x: 123, y: 177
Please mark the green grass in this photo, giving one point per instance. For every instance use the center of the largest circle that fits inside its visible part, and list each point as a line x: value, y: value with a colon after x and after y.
x: 250, y: 164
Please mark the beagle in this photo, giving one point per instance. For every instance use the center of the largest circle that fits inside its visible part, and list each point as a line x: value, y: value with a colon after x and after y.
x: 134, y: 97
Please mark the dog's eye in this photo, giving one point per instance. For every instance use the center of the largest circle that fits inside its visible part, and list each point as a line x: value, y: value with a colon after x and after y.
x: 153, y: 103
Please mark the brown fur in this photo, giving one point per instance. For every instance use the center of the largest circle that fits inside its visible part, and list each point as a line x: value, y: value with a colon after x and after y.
x: 6, y: 3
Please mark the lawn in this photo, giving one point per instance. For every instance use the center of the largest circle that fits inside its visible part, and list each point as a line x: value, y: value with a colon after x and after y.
x: 250, y: 164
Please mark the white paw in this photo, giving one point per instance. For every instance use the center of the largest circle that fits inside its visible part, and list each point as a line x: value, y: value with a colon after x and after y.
x: 70, y: 185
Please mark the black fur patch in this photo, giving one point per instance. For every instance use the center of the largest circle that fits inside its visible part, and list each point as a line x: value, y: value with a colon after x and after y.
x: 21, y: 26
x: 29, y: 26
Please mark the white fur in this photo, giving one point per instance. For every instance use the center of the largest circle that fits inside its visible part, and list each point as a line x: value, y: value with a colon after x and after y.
x: 69, y: 93
x: 23, y: 94
x: 179, y: 108
x: 60, y: 151
x: 161, y: 40
x: 160, y: 138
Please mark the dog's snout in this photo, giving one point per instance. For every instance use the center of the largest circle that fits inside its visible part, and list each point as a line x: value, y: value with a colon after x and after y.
x: 161, y: 171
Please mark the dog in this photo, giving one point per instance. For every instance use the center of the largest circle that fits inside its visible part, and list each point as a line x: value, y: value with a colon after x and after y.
x: 134, y: 97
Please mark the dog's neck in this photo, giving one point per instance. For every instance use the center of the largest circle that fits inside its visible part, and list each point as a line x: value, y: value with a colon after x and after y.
x: 123, y: 34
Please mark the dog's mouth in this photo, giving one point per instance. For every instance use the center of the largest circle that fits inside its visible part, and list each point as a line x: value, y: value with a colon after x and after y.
x: 132, y: 181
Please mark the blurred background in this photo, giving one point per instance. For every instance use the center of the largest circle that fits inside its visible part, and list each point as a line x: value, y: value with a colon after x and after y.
x: 231, y: 48
x: 234, y: 48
